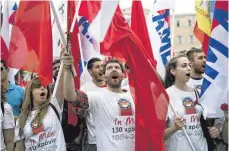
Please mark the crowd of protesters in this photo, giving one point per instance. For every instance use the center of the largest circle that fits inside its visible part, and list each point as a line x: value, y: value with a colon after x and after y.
x: 34, y: 119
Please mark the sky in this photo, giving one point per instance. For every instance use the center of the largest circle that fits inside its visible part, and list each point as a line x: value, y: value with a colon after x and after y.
x: 181, y: 6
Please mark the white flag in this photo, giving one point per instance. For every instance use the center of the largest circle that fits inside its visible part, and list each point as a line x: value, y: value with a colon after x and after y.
x: 102, y: 21
x: 159, y: 32
x: 214, y: 90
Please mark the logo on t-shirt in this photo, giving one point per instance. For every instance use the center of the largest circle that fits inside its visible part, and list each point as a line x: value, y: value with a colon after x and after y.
x: 36, y: 129
x: 125, y: 107
x: 189, y: 105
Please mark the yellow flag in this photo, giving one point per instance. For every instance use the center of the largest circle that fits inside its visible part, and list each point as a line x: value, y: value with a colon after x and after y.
x: 203, y: 15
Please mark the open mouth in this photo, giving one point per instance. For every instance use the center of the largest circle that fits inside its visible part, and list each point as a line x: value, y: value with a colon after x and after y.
x: 188, y: 74
x: 42, y: 94
x: 114, y: 77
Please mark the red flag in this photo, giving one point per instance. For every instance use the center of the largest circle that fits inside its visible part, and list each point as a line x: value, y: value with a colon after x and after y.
x: 151, y: 99
x: 31, y: 40
x: 139, y: 27
x: 71, y: 10
x: 26, y: 83
x: 4, y: 50
x: 20, y: 80
x: 89, y: 9
x: 202, y: 37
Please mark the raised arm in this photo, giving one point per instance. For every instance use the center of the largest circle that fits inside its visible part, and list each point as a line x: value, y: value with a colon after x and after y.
x: 72, y: 95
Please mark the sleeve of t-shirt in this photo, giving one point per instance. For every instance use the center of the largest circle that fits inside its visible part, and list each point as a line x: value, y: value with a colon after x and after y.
x: 93, y: 101
x: 17, y: 136
x: 8, y: 121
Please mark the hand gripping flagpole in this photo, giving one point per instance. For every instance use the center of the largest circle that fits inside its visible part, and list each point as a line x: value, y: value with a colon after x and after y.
x: 183, y: 129
x: 65, y: 46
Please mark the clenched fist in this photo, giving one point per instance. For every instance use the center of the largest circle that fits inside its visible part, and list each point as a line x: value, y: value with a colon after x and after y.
x: 178, y: 123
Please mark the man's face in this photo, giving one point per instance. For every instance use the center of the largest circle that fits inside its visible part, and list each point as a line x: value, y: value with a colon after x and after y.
x: 4, y: 72
x: 198, y: 63
x: 113, y: 75
x: 97, y: 71
x: 55, y: 71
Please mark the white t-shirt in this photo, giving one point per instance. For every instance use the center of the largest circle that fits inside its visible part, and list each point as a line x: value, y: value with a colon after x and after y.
x: 51, y: 138
x: 114, y: 115
x: 195, y: 83
x: 183, y: 103
x: 7, y: 122
x: 89, y: 119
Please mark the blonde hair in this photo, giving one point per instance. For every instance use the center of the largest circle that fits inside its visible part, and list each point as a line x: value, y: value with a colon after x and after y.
x: 27, y: 105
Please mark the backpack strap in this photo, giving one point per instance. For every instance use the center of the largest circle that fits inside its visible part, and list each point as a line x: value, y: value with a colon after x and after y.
x: 197, y: 94
x: 55, y: 110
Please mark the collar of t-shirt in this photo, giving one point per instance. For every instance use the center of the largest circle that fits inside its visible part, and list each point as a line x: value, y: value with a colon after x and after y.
x: 103, y: 86
x: 196, y: 78
x: 10, y: 86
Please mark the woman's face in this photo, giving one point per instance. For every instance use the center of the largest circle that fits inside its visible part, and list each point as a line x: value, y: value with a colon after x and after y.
x: 40, y: 94
x: 182, y: 71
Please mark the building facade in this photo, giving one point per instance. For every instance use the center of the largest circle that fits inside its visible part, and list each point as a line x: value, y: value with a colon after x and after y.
x: 184, y: 24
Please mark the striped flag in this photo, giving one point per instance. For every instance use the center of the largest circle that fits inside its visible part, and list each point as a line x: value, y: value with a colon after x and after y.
x: 159, y: 31
x: 215, y: 83
x: 202, y: 28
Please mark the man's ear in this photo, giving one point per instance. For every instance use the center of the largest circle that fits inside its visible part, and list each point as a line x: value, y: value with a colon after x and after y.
x: 191, y: 62
x: 90, y: 71
x: 173, y: 72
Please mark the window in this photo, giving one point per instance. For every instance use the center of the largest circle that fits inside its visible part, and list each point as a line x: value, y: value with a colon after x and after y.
x: 179, y: 39
x: 189, y: 22
x: 191, y: 39
x: 178, y: 23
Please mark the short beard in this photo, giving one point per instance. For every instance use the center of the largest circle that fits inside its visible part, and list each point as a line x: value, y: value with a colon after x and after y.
x: 114, y: 86
x: 99, y: 80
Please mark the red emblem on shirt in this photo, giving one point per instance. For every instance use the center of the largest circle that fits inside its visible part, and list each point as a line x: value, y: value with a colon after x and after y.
x: 189, y: 106
x: 35, y: 128
x: 125, y: 107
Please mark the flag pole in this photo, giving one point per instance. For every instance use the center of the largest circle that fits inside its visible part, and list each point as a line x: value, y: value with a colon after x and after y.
x: 65, y: 46
x: 183, y: 129
x: 71, y: 30
x: 80, y: 46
